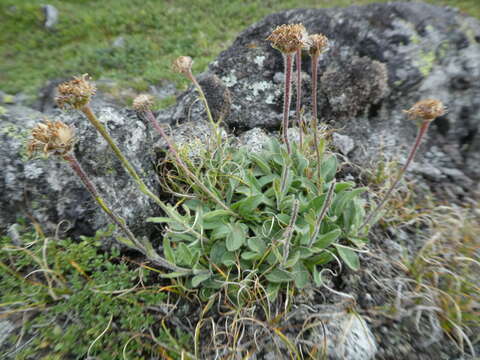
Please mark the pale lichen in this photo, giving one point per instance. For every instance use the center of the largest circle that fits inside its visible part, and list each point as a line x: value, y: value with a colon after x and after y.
x: 259, y: 60
x: 230, y: 79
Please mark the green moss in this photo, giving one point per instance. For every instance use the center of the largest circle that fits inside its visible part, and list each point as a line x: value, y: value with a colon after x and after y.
x: 87, y: 292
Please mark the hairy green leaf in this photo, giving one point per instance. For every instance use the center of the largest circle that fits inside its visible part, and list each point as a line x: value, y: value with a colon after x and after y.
x: 279, y: 276
x: 349, y: 256
x: 236, y: 238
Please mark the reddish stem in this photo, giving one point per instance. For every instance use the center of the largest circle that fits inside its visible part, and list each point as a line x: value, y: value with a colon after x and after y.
x: 314, y: 87
x: 314, y: 109
x: 287, y: 96
x: 77, y: 168
x: 421, y: 132
x: 299, y: 95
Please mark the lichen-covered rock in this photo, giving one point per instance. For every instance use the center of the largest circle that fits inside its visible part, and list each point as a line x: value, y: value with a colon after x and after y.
x: 190, y: 107
x: 48, y: 190
x: 382, y: 59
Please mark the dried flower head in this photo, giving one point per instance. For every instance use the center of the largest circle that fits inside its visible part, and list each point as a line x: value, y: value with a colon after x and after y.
x: 289, y: 38
x: 75, y: 93
x: 143, y: 102
x: 428, y: 109
x: 52, y: 138
x: 183, y: 64
x: 318, y: 44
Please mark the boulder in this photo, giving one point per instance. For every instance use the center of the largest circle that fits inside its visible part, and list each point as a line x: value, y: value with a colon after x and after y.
x: 49, y: 191
x: 383, y: 58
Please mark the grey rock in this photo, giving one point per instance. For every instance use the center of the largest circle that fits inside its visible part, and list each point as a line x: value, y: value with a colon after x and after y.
x: 343, y: 143
x: 189, y: 107
x: 383, y: 58
x: 164, y: 90
x: 51, y: 16
x: 254, y: 140
x: 336, y: 332
x: 350, y: 338
x: 47, y: 188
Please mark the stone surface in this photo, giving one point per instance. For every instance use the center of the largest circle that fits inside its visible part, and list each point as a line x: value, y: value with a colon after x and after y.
x: 332, y: 331
x: 349, y: 338
x: 48, y: 189
x: 383, y: 58
x: 343, y: 143
x: 254, y: 140
x: 51, y: 16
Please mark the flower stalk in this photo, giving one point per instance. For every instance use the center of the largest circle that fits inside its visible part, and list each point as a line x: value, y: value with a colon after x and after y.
x: 183, y: 65
x: 142, y: 106
x: 323, y: 212
x: 77, y: 94
x: 288, y: 60
x: 58, y: 139
x: 289, y: 40
x: 298, y: 58
x: 318, y: 45
x: 426, y: 111
x: 289, y: 231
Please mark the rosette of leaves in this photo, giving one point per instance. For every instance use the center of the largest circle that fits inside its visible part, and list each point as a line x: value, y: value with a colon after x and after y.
x: 273, y: 233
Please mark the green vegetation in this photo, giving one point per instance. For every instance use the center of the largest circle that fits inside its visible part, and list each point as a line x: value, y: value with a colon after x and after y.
x: 155, y: 33
x: 282, y: 226
x: 78, y: 300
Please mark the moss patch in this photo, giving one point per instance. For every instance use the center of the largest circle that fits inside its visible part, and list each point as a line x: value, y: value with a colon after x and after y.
x: 81, y: 301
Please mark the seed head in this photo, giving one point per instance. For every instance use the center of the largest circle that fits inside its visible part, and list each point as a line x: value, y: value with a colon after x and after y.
x: 289, y: 38
x: 75, y: 93
x: 143, y: 102
x: 54, y: 138
x: 318, y: 44
x: 183, y: 65
x: 428, y: 109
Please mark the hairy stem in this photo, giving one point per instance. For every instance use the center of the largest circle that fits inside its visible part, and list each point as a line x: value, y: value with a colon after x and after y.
x: 150, y: 117
x: 120, y: 222
x: 288, y: 60
x: 323, y: 212
x: 421, y: 132
x: 314, y: 111
x: 289, y: 231
x: 299, y: 96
